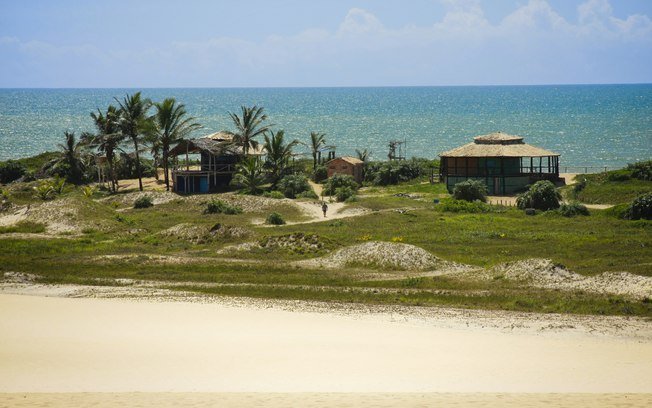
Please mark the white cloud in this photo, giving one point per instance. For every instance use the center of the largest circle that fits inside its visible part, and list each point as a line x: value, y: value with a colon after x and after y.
x: 534, y: 43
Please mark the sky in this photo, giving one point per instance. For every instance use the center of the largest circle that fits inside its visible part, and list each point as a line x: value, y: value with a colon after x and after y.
x: 304, y: 43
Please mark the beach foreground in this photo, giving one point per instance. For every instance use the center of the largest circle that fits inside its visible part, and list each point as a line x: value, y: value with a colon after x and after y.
x: 101, y: 347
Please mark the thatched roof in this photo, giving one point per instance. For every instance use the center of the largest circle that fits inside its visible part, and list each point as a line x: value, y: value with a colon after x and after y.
x: 348, y: 159
x: 218, y: 144
x: 498, y: 145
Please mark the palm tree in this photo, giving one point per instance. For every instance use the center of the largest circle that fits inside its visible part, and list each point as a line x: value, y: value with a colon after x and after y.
x: 69, y: 162
x: 248, y: 127
x: 249, y: 175
x: 317, y: 140
x: 134, y: 124
x: 108, y: 138
x: 172, y: 126
x: 363, y: 155
x: 278, y: 154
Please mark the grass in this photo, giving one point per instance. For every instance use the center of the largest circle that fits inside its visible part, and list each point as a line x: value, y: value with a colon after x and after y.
x: 600, y: 190
x: 587, y: 245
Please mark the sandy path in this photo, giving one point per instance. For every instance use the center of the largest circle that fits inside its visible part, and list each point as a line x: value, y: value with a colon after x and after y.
x: 117, y: 345
x: 335, y: 211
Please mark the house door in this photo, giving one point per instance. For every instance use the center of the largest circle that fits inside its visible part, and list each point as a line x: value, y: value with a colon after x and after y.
x: 497, y: 186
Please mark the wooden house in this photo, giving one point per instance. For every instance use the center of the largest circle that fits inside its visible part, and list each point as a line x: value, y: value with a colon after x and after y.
x: 504, y: 162
x: 218, y: 157
x: 346, y: 165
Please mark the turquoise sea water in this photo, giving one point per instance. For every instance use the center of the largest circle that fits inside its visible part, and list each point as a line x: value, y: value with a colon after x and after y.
x: 605, y: 125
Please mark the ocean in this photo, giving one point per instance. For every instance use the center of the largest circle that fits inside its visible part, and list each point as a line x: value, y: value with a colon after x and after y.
x: 589, y: 125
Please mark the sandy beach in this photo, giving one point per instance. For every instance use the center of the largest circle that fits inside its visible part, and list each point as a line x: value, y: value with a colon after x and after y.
x: 53, y: 348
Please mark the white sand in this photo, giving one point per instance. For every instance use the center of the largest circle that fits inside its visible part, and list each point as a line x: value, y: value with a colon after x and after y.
x: 117, y: 345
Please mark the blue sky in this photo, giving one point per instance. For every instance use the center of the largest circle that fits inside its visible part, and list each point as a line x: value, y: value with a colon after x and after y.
x: 202, y: 43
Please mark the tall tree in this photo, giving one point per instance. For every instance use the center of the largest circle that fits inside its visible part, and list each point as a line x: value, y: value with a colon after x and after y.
x: 278, y: 154
x: 317, y: 140
x: 135, y: 124
x: 108, y: 138
x: 249, y: 126
x: 172, y: 125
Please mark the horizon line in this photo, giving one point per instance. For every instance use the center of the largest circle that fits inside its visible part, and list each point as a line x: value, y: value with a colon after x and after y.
x: 334, y: 86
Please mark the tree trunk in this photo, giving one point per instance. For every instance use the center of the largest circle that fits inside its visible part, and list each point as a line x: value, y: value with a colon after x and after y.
x: 165, y: 169
x: 138, y: 170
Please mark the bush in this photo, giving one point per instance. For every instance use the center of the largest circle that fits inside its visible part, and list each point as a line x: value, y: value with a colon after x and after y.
x: 275, y: 219
x: 320, y: 174
x: 462, y: 206
x: 11, y: 171
x: 45, y: 191
x: 470, y: 190
x: 293, y: 185
x: 542, y: 195
x: 143, y: 202
x: 641, y: 207
x: 220, y: 207
x: 394, y: 172
x: 619, y: 175
x: 308, y: 194
x: 344, y: 193
x: 641, y: 170
x: 573, y: 209
x: 338, y: 181
x: 273, y: 194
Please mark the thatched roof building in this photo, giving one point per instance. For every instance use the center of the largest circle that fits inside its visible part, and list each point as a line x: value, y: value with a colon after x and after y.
x: 504, y: 162
x: 218, y: 158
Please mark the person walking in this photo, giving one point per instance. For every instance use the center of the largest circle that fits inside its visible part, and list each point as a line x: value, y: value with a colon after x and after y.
x: 324, y: 208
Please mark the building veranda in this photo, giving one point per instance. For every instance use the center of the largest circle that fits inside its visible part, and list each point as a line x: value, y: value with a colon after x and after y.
x: 503, y: 162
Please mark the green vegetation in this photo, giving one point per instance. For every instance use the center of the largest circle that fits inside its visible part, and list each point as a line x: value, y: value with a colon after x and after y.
x: 641, y: 207
x: 11, y: 170
x: 339, y: 181
x: 394, y: 172
x: 470, y: 190
x: 542, y: 195
x: 144, y: 202
x: 613, y: 187
x: 572, y: 209
x: 463, y: 206
x: 293, y: 185
x: 220, y: 207
x: 275, y: 219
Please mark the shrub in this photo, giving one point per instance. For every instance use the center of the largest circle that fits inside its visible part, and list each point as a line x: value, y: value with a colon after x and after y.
x: 308, y: 194
x: 275, y: 219
x: 143, y: 202
x: 462, y: 206
x: 337, y: 181
x: 44, y: 191
x: 619, y: 175
x: 572, y: 209
x: 542, y: 195
x: 641, y: 207
x: 88, y: 191
x: 641, y: 170
x: 11, y: 171
x: 470, y: 190
x: 273, y: 194
x: 220, y: 207
x: 344, y: 193
x: 394, y: 172
x: 320, y: 174
x: 293, y: 185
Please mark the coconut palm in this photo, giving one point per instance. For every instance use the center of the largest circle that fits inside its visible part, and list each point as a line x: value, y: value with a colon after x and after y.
x: 108, y: 138
x: 249, y: 175
x: 172, y: 126
x: 135, y: 124
x: 317, y: 141
x: 248, y: 127
x: 278, y: 154
x: 363, y: 155
x: 70, y: 161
